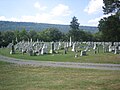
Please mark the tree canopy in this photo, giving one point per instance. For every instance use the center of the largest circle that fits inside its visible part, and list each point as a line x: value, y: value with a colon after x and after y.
x: 74, y: 24
x: 51, y: 34
x: 110, y: 26
x: 111, y: 6
x: 74, y: 29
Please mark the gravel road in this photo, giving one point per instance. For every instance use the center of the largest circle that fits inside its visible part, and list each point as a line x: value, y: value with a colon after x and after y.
x: 61, y: 64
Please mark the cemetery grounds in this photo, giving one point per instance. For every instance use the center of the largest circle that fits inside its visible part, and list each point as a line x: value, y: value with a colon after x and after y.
x: 60, y: 56
x: 26, y: 77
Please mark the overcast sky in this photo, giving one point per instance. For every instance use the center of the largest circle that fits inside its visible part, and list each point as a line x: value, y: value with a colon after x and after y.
x: 88, y: 12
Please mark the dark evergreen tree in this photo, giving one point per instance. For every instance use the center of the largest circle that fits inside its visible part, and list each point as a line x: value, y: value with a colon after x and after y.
x: 74, y: 29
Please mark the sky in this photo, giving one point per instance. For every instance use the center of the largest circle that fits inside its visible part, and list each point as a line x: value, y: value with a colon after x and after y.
x: 88, y: 12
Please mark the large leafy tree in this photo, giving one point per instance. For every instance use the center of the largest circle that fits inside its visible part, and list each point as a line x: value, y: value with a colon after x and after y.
x: 110, y: 27
x: 33, y: 34
x: 74, y: 29
x: 24, y: 35
x: 17, y: 35
x: 7, y: 37
x: 51, y: 34
x: 111, y: 6
x: 1, y: 38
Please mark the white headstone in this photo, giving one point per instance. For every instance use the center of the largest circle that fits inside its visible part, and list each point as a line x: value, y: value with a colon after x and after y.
x: 44, y: 49
x: 52, y: 48
x: 70, y: 44
x: 83, y: 53
x: 73, y: 47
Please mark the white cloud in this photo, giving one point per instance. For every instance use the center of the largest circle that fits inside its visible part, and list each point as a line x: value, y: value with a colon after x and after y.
x: 39, y: 18
x: 2, y: 18
x: 39, y: 6
x: 95, y: 21
x: 61, y: 10
x: 53, y: 16
x: 94, y: 6
x: 42, y: 18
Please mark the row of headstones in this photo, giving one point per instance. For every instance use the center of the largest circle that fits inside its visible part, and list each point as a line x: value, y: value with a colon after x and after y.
x: 35, y: 47
x: 107, y: 47
x: 42, y: 48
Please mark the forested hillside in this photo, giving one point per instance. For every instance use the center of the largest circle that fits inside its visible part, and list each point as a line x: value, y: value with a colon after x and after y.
x: 7, y: 25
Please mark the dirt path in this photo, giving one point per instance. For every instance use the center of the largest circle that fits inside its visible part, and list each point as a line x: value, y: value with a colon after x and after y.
x: 61, y: 64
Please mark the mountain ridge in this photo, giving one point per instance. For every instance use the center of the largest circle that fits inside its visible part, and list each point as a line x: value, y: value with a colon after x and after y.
x: 10, y: 25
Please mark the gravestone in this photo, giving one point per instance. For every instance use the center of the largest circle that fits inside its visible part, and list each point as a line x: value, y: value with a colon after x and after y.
x: 31, y: 40
x: 73, y: 47
x: 65, y: 45
x: 44, y: 50
x: 59, y: 45
x: 55, y: 46
x: 30, y: 52
x: 23, y: 51
x: 34, y: 53
x: 87, y: 48
x: 116, y: 50
x: 12, y: 48
x: 95, y: 46
x: 52, y: 48
x: 119, y: 47
x: 37, y: 40
x: 65, y: 50
x: 70, y: 44
x: 76, y: 55
x: 83, y: 53
x: 103, y: 45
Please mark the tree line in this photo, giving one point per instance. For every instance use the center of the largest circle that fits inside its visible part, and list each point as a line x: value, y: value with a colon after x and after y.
x: 47, y: 35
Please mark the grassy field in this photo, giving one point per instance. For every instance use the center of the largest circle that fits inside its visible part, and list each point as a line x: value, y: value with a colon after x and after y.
x: 14, y: 77
x: 69, y: 57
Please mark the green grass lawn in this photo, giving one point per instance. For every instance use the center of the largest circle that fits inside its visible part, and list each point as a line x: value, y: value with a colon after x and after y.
x: 15, y: 77
x: 69, y: 57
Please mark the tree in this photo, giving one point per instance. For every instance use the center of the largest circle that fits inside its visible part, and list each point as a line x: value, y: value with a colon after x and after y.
x: 1, y: 38
x: 17, y: 35
x: 33, y: 34
x: 24, y: 35
x: 51, y: 34
x: 84, y: 36
x: 8, y: 36
x: 97, y: 36
x: 111, y: 6
x: 110, y: 28
x: 74, y: 25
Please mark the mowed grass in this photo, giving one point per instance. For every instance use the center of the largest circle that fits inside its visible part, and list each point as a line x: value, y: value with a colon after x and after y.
x: 69, y: 57
x: 15, y: 77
